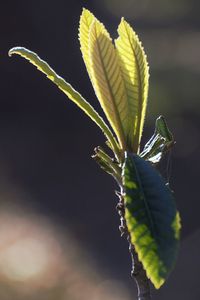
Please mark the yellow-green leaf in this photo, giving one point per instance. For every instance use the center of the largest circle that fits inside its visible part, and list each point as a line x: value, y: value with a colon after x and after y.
x: 135, y: 72
x: 86, y: 20
x: 107, y: 80
x: 71, y: 93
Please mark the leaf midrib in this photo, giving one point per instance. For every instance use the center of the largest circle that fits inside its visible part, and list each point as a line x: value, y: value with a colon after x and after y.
x: 139, y: 92
x: 117, y: 116
x: 147, y: 209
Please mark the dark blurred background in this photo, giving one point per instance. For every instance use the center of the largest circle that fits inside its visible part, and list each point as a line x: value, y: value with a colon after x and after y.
x: 59, y: 235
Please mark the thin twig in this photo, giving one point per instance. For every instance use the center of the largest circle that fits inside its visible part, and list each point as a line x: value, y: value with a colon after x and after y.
x: 137, y: 272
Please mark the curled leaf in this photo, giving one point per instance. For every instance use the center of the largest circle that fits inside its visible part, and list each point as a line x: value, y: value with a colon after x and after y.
x: 71, y: 93
x: 161, y: 142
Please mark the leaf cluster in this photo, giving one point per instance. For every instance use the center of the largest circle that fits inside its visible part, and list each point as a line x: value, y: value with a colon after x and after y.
x: 119, y: 74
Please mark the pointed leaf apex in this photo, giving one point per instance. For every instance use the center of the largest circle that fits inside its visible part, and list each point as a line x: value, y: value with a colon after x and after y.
x: 123, y: 22
x: 86, y: 12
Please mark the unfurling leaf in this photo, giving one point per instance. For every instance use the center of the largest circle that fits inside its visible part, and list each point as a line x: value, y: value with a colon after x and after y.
x: 107, y: 164
x: 71, y: 93
x: 163, y: 130
x: 135, y: 71
x: 161, y: 142
x: 151, y: 217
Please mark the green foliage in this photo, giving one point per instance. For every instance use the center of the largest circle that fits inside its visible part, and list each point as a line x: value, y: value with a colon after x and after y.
x: 67, y: 89
x: 151, y: 217
x: 119, y: 74
x: 135, y: 70
x: 108, y: 164
x: 161, y: 141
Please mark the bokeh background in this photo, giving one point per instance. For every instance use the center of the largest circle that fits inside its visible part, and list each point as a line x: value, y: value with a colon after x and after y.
x: 59, y: 237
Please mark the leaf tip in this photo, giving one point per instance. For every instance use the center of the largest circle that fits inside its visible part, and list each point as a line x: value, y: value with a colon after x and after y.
x: 12, y: 51
x: 86, y: 12
x: 120, y: 24
x: 16, y: 50
x: 124, y: 22
x: 159, y: 283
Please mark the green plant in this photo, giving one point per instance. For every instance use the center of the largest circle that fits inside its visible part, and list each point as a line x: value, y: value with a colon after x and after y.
x: 119, y: 74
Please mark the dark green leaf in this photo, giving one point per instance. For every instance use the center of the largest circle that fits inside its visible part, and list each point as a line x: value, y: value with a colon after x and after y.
x: 161, y: 141
x: 151, y: 216
x: 163, y: 130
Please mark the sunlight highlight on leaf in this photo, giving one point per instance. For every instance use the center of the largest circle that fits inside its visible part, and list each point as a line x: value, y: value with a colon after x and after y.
x: 135, y: 71
x: 71, y: 93
x: 151, y: 217
x: 159, y: 144
x: 107, y: 80
x: 85, y: 23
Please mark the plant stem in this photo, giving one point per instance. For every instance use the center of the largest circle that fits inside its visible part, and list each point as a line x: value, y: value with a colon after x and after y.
x: 139, y: 275
x: 137, y: 272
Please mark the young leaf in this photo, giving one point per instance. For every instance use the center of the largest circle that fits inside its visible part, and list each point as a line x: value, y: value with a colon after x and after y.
x: 71, y: 93
x: 107, y: 80
x: 135, y: 70
x: 85, y: 23
x: 107, y: 164
x: 154, y: 151
x: 161, y: 141
x: 151, y: 216
x: 163, y: 130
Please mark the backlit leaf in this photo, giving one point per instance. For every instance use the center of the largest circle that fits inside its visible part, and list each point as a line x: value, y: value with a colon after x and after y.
x: 107, y: 164
x: 161, y: 142
x: 163, y: 130
x: 135, y: 71
x: 151, y: 217
x: 107, y: 80
x: 85, y: 23
x: 71, y: 93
